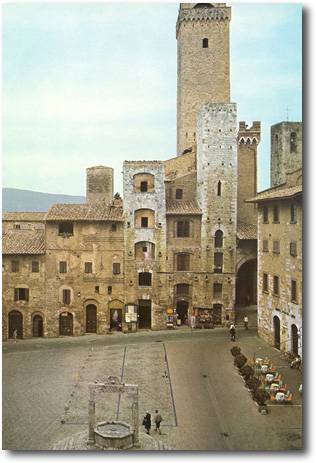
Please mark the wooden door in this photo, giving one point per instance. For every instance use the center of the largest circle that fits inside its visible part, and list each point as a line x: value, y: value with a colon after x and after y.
x: 65, y: 324
x: 91, y: 318
x: 37, y: 326
x: 15, y: 322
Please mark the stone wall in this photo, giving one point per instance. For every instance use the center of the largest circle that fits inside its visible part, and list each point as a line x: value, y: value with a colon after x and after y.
x: 283, y: 265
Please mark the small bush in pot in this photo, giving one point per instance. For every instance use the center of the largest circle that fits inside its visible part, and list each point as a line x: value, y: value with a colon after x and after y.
x: 252, y: 383
x: 261, y: 396
x: 246, y: 371
x: 240, y: 360
x: 235, y: 351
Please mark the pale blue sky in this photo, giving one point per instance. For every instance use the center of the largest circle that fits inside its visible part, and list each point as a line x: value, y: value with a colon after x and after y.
x: 89, y: 84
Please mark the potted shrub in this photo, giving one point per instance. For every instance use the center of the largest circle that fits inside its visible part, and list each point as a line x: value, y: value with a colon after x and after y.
x: 246, y: 371
x: 252, y: 383
x: 240, y: 360
x: 261, y: 396
x: 235, y: 351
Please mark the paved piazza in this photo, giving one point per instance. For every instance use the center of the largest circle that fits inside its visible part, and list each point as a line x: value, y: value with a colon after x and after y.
x: 188, y: 376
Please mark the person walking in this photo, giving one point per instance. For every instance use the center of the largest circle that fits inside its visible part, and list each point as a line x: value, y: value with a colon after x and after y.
x: 157, y: 420
x: 147, y: 422
x: 246, y: 322
x: 15, y: 335
x: 232, y: 331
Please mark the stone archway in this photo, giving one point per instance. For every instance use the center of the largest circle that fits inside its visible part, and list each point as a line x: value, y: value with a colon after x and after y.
x: 15, y: 323
x: 246, y: 284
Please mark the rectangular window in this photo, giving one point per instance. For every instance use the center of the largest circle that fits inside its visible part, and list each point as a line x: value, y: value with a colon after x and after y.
x: 17, y: 226
x: 265, y: 246
x: 144, y: 222
x: 113, y: 227
x: 15, y: 266
x: 88, y: 267
x: 276, y: 214
x: 293, y: 249
x: 65, y: 228
x: 217, y: 290
x: 276, y: 247
x: 97, y: 289
x: 62, y: 267
x: 116, y: 268
x: 143, y: 186
x: 35, y: 266
x: 144, y: 279
x: 293, y: 291
x: 183, y: 229
x: 218, y: 262
x: 276, y: 289
x: 109, y: 289
x: 21, y: 294
x: 179, y: 193
x: 265, y: 283
x: 66, y: 296
x: 265, y: 213
x: 293, y: 213
x: 183, y: 262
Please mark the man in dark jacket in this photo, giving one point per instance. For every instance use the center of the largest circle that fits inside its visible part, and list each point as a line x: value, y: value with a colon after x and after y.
x: 147, y: 422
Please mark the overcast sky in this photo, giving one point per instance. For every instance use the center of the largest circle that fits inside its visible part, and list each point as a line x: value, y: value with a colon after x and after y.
x: 95, y: 83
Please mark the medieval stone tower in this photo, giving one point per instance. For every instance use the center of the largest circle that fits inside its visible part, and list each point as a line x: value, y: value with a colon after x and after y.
x: 203, y: 64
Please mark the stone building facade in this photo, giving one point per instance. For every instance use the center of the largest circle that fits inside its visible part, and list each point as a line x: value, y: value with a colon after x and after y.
x: 280, y: 288
x: 181, y: 240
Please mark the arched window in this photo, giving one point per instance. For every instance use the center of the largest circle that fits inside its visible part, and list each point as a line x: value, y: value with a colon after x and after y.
x: 293, y: 142
x: 205, y: 43
x: 219, y: 239
x: 219, y: 188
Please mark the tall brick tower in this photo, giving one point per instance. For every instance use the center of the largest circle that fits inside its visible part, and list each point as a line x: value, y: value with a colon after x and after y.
x: 203, y: 64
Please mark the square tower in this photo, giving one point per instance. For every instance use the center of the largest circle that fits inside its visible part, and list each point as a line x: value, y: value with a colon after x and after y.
x: 203, y: 64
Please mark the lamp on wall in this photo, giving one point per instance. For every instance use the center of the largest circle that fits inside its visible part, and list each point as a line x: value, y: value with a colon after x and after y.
x: 78, y: 293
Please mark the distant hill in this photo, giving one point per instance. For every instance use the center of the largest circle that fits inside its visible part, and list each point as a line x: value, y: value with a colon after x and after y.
x: 17, y: 200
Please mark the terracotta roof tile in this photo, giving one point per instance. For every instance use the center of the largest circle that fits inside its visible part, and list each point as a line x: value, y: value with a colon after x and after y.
x: 183, y: 208
x: 101, y: 210
x: 276, y: 193
x: 246, y: 231
x: 23, y: 216
x: 23, y: 242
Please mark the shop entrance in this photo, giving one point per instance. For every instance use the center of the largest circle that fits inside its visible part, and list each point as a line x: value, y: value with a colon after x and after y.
x: 277, y: 335
x: 144, y: 313
x: 182, y: 308
x: 116, y: 319
x: 217, y: 314
x: 294, y: 339
x: 91, y: 318
x: 37, y: 326
x: 15, y: 323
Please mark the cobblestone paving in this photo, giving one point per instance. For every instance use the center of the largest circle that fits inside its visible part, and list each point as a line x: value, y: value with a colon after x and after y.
x: 189, y: 377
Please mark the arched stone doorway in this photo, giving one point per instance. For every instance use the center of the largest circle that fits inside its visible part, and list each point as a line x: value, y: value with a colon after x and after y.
x: 294, y: 338
x: 246, y: 284
x: 37, y: 326
x: 277, y: 332
x: 91, y: 318
x: 66, y: 324
x: 15, y: 323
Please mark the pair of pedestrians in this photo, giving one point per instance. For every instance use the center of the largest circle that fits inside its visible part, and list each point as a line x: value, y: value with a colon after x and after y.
x: 157, y: 421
